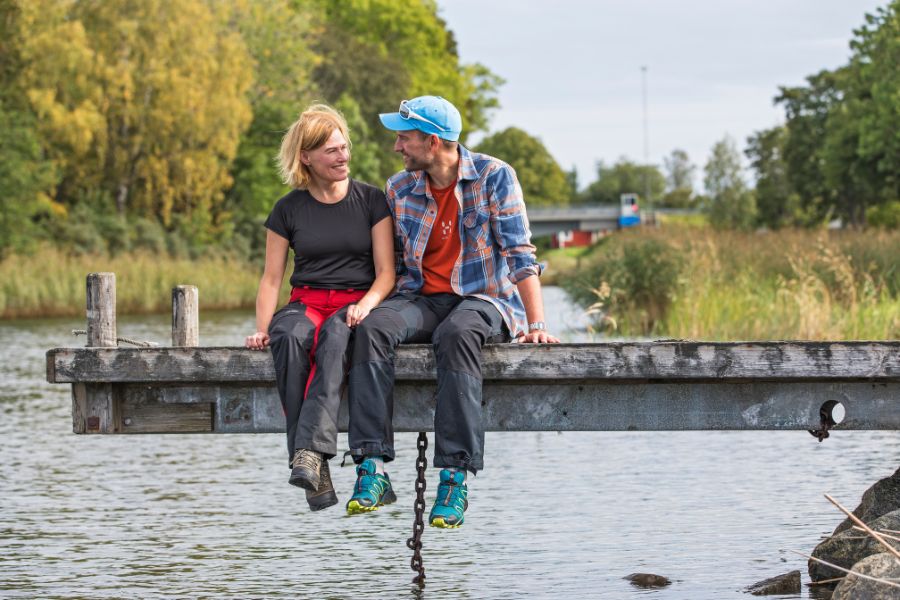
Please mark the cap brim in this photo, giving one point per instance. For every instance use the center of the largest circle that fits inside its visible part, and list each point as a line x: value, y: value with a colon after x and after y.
x: 394, y: 122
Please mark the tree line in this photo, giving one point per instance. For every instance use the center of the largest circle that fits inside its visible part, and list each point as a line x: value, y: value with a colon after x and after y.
x: 153, y: 124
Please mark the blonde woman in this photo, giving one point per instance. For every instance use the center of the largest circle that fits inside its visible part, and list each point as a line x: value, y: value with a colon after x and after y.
x: 342, y: 236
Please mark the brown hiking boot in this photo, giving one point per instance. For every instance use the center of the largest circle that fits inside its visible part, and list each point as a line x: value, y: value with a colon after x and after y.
x: 324, y: 495
x: 305, y: 469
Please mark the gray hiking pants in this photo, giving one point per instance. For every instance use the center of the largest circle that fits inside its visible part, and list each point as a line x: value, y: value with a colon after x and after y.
x: 458, y: 327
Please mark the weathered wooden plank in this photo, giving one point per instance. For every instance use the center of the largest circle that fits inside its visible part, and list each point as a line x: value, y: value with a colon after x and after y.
x: 644, y: 361
x: 141, y: 412
x: 94, y: 408
x: 254, y: 408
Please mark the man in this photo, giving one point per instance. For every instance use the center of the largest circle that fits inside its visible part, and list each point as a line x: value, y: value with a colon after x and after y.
x: 468, y: 276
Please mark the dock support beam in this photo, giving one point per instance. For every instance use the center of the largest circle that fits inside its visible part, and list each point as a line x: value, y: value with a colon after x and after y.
x: 94, y: 409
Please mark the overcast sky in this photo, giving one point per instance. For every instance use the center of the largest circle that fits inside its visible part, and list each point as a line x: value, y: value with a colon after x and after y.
x: 573, y: 68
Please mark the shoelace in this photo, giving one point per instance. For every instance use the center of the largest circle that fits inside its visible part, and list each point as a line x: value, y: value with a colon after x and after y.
x: 306, y: 459
x: 449, y: 490
x: 372, y: 481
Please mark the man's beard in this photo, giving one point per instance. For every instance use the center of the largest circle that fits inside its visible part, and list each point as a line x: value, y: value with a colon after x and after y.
x: 415, y: 164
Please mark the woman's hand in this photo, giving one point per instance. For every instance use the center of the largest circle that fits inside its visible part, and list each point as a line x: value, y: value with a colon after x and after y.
x: 257, y: 341
x: 356, y: 313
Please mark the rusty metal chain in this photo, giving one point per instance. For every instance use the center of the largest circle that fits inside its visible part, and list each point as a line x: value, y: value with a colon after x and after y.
x: 824, y: 426
x: 415, y: 542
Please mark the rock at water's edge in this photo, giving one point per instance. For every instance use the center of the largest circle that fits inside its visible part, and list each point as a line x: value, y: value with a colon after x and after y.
x: 882, y: 565
x: 851, y: 546
x: 880, y: 499
x: 647, y: 580
x: 789, y: 583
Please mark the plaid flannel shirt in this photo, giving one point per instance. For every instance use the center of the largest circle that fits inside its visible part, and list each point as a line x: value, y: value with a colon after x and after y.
x: 493, y: 229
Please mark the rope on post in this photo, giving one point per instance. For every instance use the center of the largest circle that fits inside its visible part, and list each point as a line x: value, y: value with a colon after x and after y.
x: 415, y: 542
x: 124, y: 340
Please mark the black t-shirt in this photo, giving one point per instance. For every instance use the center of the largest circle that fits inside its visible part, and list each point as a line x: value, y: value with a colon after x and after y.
x: 332, y: 243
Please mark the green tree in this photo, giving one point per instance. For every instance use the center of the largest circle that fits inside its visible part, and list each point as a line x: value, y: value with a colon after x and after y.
x: 777, y: 203
x: 26, y: 179
x: 543, y: 182
x: 730, y: 203
x: 679, y: 180
x: 141, y: 101
x: 624, y: 177
x: 379, y: 52
x: 806, y: 109
x: 841, y: 151
x: 876, y: 56
x: 277, y: 34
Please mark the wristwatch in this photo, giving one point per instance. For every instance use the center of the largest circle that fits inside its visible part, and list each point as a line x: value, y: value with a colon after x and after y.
x: 537, y: 326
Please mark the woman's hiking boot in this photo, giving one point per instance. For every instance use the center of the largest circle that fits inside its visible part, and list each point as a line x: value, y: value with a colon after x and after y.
x: 372, y: 490
x: 451, y: 502
x: 305, y: 469
x: 324, y: 495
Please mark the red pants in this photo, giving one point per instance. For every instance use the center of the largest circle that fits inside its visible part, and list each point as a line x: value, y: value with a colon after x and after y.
x: 321, y: 304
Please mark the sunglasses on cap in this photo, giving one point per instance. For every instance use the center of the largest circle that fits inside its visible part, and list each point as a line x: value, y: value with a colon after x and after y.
x: 407, y: 113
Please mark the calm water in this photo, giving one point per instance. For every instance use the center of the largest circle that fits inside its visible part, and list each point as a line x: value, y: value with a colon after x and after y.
x: 553, y: 515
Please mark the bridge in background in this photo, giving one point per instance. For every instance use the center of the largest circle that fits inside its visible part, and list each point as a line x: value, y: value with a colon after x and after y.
x: 548, y: 221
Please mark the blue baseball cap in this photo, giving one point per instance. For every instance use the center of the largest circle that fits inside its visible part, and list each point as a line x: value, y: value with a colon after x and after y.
x: 431, y: 114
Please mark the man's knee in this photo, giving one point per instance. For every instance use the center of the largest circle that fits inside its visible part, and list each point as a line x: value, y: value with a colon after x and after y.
x: 377, y: 335
x: 458, y: 343
x: 464, y: 328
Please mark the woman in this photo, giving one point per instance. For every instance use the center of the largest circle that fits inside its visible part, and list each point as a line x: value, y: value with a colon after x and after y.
x: 342, y: 238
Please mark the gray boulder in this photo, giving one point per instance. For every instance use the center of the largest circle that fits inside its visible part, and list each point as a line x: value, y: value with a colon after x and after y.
x: 883, y: 566
x: 789, y: 583
x: 880, y: 499
x: 851, y: 546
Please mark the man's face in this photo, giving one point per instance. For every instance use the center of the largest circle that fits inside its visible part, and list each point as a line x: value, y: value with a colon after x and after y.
x: 415, y: 147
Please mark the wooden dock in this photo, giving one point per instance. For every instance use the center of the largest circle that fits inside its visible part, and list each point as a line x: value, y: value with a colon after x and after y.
x: 664, y: 385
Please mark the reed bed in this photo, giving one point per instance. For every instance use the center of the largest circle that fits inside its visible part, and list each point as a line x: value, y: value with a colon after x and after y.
x: 51, y: 283
x: 798, y: 284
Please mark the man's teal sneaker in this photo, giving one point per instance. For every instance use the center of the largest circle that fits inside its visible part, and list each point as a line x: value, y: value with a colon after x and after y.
x: 451, y: 502
x: 371, y: 491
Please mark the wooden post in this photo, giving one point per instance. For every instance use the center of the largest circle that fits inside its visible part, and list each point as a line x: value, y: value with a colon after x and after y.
x: 94, y: 408
x: 185, y: 316
x: 101, y: 310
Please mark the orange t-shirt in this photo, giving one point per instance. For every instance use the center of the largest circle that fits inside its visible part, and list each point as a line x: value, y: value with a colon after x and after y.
x: 443, y: 245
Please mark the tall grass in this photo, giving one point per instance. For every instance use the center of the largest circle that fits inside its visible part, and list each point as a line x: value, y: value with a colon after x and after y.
x: 52, y: 283
x: 812, y: 285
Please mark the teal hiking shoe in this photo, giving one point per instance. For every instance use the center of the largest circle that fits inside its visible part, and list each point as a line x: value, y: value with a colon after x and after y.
x: 452, y: 501
x: 371, y: 491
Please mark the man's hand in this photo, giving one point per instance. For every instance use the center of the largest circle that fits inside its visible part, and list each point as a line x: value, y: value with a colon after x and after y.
x: 257, y: 341
x: 356, y: 313
x: 537, y: 337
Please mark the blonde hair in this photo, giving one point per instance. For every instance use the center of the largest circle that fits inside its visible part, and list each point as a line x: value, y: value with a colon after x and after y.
x: 310, y: 131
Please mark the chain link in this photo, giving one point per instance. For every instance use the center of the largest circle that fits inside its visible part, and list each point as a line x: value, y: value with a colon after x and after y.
x: 824, y: 425
x: 415, y: 542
